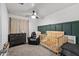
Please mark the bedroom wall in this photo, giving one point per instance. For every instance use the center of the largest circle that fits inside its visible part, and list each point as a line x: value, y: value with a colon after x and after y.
x: 4, y: 23
x: 33, y: 25
x: 0, y: 29
x: 66, y: 15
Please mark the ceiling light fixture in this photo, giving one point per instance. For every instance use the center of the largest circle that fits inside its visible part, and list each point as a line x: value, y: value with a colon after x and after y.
x: 33, y: 17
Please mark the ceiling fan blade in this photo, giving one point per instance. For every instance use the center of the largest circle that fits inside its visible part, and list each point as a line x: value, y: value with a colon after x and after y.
x: 34, y: 13
x: 37, y: 17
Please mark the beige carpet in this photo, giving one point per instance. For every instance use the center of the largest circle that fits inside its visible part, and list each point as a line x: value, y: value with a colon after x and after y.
x: 29, y: 50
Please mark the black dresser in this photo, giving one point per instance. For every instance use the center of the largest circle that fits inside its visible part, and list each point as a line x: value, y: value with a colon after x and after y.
x: 16, y: 39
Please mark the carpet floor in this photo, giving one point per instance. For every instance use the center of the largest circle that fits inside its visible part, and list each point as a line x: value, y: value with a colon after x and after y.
x: 29, y: 50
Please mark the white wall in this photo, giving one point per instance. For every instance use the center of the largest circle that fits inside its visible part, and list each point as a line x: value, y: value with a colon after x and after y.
x: 33, y: 23
x: 4, y: 23
x: 0, y: 29
x: 66, y: 15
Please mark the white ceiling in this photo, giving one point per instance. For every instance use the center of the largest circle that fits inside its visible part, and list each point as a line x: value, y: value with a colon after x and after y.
x: 43, y: 9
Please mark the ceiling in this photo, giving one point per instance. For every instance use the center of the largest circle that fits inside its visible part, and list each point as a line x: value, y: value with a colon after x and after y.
x: 42, y: 9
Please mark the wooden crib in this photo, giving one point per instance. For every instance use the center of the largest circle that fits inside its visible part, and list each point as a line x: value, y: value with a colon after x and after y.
x: 53, y: 40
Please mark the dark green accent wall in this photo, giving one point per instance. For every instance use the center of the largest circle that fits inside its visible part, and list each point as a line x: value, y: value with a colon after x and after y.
x: 67, y: 28
x: 70, y: 28
x: 52, y: 27
x: 59, y: 27
x: 48, y: 27
x: 75, y: 30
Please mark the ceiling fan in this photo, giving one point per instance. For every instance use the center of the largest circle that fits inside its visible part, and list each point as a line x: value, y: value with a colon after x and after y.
x: 33, y: 15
